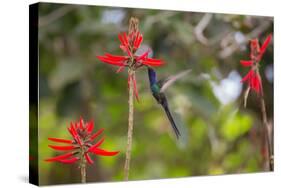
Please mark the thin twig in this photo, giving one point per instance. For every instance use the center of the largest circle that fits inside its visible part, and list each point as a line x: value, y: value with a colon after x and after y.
x: 130, y: 126
x: 133, y: 28
x: 83, y: 174
x: 267, y: 134
x: 246, y: 96
x: 83, y: 167
x: 201, y: 26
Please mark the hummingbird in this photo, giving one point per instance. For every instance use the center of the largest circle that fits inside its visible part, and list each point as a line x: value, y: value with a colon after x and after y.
x: 158, y: 87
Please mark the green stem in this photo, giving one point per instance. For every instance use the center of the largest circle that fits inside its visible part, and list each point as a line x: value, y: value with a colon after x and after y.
x: 267, y: 135
x: 133, y: 28
x: 130, y: 126
x: 83, y: 167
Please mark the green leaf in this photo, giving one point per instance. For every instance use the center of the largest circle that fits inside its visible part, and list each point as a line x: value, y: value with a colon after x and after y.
x: 236, y: 126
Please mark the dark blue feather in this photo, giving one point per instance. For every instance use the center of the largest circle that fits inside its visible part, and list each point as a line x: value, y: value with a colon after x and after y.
x: 152, y: 76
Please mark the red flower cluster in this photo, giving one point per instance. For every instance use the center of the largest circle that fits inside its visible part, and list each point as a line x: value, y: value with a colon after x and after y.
x: 81, y: 145
x: 130, y: 44
x: 253, y: 77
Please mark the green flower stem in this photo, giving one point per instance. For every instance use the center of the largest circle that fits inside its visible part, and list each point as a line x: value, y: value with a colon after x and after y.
x: 268, y: 137
x: 83, y: 166
x: 131, y: 73
x: 133, y: 28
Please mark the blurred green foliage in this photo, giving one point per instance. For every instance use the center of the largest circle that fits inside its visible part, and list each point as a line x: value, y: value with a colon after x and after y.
x: 219, y: 135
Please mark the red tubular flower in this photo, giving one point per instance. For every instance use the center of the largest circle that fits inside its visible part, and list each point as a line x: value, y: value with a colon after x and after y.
x: 99, y: 151
x: 69, y: 161
x: 88, y: 158
x: 253, y: 78
x: 246, y: 63
x: 135, y: 86
x: 265, y: 44
x: 81, y: 145
x: 62, y: 148
x: 60, y: 140
x: 129, y: 45
x: 59, y: 157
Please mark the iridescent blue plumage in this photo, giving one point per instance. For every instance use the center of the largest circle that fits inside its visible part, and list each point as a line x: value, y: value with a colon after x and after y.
x: 152, y: 76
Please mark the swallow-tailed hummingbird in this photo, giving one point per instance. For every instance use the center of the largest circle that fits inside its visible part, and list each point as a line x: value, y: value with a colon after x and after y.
x: 157, y: 88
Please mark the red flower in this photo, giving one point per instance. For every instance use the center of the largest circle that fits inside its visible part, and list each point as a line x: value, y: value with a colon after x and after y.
x: 253, y: 77
x: 81, y: 145
x: 130, y: 44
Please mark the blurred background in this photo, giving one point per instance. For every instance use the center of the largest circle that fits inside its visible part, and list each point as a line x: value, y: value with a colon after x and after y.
x: 220, y: 136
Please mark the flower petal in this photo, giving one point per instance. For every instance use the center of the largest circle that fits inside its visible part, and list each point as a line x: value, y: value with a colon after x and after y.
x: 265, y: 44
x: 69, y: 161
x: 255, y: 83
x: 99, y: 151
x: 96, y: 134
x: 255, y: 48
x: 143, y: 56
x: 75, y: 126
x: 74, y: 133
x: 88, y: 158
x: 96, y: 145
x: 61, y: 148
x: 135, y: 87
x: 120, y: 69
x: 60, y: 140
x: 252, y: 82
x: 124, y: 43
x: 122, y: 39
x: 90, y: 126
x: 153, y: 62
x: 125, y: 37
x: 246, y: 63
x: 105, y: 59
x: 126, y: 50
x: 71, y: 130
x: 77, y: 138
x: 138, y: 40
x: 116, y: 57
x: 248, y: 76
x: 59, y: 157
x: 81, y: 123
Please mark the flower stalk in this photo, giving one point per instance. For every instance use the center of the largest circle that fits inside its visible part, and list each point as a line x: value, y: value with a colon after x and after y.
x: 83, y: 166
x: 129, y: 43
x: 254, y: 81
x: 267, y: 134
x: 133, y: 28
x: 130, y: 126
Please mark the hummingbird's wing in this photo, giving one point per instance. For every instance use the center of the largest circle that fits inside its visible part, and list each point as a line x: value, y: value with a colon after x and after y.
x: 164, y: 84
x: 144, y: 48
